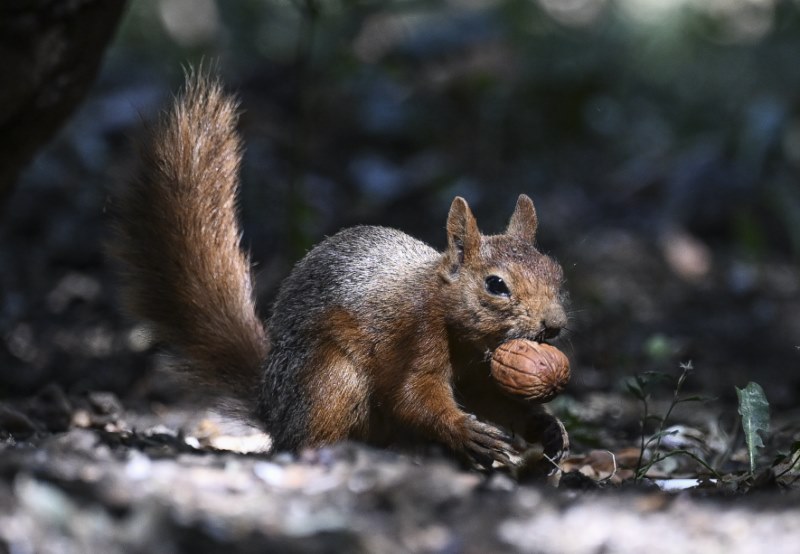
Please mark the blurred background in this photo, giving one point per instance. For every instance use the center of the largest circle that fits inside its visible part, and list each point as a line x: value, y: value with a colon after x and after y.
x: 659, y: 139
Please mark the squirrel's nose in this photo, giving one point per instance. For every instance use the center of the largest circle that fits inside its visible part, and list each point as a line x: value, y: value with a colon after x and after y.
x: 553, y: 321
x: 551, y: 332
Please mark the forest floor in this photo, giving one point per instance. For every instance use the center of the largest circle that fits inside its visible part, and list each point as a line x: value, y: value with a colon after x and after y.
x: 87, y: 474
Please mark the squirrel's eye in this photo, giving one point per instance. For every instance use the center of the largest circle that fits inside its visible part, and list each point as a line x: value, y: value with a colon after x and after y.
x: 495, y: 285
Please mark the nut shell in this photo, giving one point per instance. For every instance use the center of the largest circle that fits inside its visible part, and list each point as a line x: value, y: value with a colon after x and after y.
x: 535, y: 371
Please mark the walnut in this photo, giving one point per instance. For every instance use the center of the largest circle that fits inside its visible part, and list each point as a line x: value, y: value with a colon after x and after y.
x: 538, y: 372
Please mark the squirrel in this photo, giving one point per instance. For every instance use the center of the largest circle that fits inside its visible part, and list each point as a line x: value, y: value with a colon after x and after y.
x: 374, y: 335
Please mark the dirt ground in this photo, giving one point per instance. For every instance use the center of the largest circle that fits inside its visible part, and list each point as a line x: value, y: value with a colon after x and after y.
x: 184, y: 480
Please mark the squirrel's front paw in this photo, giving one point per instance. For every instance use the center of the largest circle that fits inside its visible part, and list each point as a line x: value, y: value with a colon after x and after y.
x: 486, y: 443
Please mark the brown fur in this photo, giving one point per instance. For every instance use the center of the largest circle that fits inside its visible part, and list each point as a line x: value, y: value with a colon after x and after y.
x: 374, y: 335
x: 337, y: 389
x: 179, y: 242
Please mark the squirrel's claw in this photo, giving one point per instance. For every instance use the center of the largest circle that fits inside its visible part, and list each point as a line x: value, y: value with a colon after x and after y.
x: 487, y: 444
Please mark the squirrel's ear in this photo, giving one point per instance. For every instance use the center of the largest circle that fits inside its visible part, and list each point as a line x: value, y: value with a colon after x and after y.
x: 463, y: 237
x: 523, y: 221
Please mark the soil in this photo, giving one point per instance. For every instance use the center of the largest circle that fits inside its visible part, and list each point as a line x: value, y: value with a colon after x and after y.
x: 89, y: 475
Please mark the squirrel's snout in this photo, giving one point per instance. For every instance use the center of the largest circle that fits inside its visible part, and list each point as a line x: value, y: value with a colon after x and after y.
x: 554, y: 319
x: 551, y: 332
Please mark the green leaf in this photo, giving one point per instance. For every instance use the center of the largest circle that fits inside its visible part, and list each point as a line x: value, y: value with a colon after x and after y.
x: 635, y: 389
x: 754, y: 409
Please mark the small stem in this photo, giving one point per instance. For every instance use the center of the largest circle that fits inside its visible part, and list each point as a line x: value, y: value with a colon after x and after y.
x: 638, y: 473
x: 788, y: 469
x: 672, y: 404
x: 613, y: 470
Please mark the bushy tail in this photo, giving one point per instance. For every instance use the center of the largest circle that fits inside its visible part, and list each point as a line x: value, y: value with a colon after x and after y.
x: 178, y: 239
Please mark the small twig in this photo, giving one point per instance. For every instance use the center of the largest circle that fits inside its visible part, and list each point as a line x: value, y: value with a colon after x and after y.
x: 613, y: 471
x: 788, y: 469
x: 551, y: 460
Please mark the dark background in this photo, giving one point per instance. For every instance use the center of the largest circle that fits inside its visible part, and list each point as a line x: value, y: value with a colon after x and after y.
x: 660, y: 141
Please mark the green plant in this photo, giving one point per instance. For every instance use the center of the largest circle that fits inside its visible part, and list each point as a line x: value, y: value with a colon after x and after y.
x: 641, y: 387
x: 754, y: 409
x: 755, y: 418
